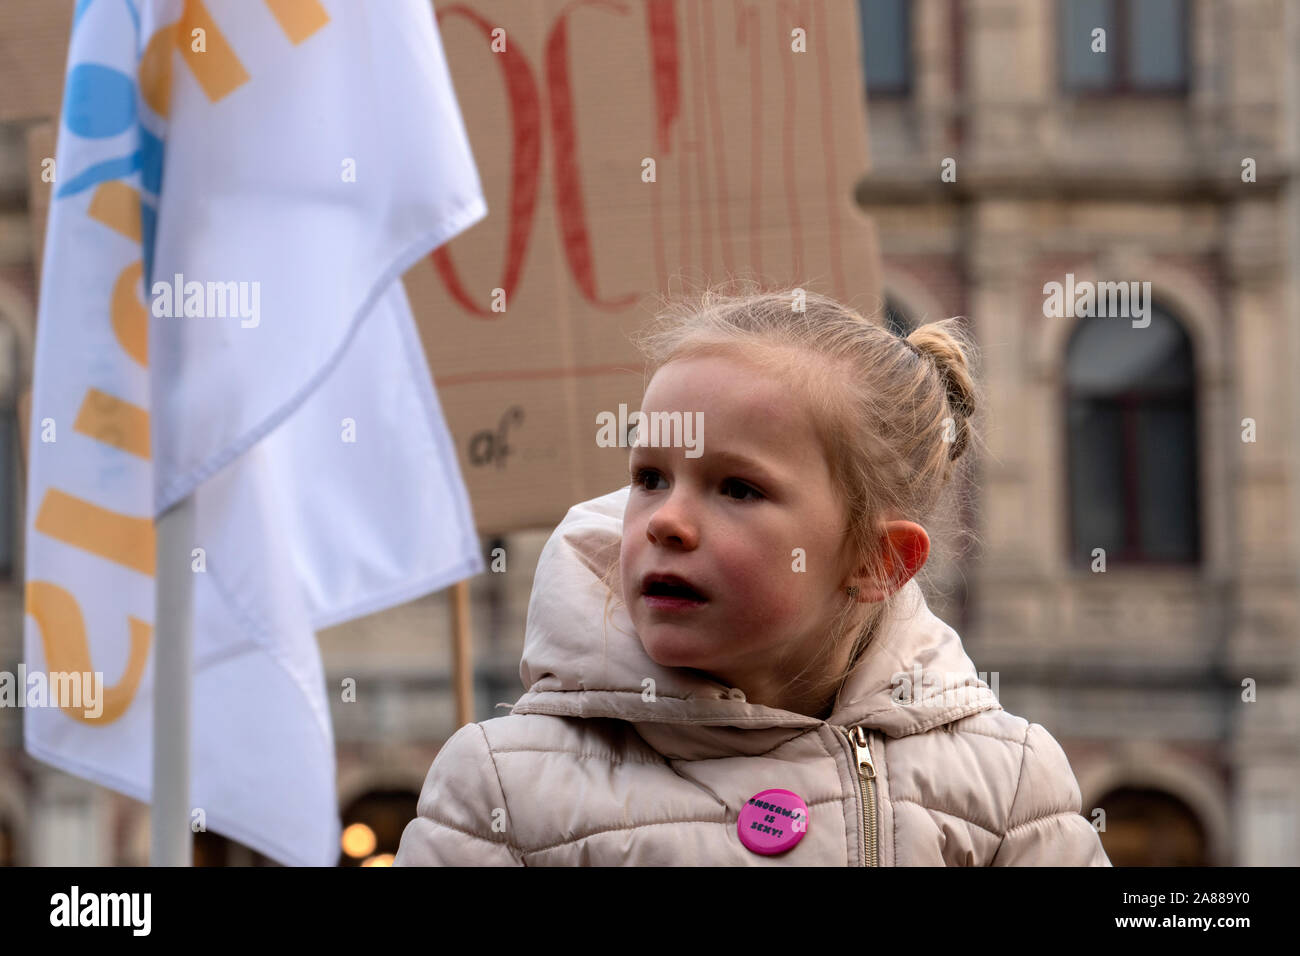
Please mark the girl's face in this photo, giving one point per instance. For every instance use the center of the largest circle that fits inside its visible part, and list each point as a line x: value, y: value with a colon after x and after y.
x: 753, y: 523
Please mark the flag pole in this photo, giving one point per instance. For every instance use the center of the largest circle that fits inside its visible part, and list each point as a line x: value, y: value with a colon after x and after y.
x: 173, y: 676
x: 461, y: 650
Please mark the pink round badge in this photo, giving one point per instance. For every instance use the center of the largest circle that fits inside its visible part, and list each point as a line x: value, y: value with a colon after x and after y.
x: 772, y: 821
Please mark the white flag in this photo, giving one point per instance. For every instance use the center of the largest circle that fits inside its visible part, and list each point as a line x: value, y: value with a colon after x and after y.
x: 239, y: 189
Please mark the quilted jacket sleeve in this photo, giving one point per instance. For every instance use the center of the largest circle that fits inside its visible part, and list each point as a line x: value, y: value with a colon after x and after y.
x: 1045, y: 826
x: 461, y: 818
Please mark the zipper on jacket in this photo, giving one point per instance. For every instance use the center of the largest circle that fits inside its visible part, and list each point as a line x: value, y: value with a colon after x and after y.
x: 867, y: 781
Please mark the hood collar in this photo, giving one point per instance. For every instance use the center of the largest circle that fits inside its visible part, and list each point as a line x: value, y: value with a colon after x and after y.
x: 580, y: 661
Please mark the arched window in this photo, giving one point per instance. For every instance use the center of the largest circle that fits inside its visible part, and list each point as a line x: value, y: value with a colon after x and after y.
x: 1131, y: 425
x: 373, y: 825
x: 1147, y: 827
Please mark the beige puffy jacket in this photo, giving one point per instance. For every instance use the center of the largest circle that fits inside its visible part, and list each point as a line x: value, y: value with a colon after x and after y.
x: 596, y: 766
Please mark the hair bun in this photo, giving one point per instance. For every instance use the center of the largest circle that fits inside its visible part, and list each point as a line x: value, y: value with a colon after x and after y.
x: 949, y: 347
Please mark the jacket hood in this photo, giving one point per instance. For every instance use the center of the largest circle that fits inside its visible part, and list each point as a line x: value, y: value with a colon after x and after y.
x: 579, y: 661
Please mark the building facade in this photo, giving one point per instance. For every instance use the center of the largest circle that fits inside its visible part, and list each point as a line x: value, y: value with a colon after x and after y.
x: 1137, y: 516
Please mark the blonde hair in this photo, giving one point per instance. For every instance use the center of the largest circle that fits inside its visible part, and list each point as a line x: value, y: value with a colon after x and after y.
x: 893, y: 415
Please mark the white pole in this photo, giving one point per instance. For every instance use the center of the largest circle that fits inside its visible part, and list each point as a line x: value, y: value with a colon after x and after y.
x: 173, y: 675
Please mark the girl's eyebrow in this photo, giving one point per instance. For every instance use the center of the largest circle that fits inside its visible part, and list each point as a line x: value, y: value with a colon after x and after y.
x: 746, y: 463
x: 735, y: 459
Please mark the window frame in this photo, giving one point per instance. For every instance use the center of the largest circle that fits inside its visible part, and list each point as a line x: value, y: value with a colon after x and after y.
x: 1128, y: 401
x: 1124, y: 87
x: 893, y: 92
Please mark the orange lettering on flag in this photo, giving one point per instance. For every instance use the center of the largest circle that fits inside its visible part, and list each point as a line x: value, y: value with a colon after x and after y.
x: 217, y: 69
x: 299, y: 19
x: 108, y: 534
x: 155, y: 71
x: 117, y: 206
x: 63, y: 634
x: 115, y: 422
x: 130, y: 320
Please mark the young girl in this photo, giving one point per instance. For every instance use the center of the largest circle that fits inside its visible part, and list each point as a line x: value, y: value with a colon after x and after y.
x: 773, y: 688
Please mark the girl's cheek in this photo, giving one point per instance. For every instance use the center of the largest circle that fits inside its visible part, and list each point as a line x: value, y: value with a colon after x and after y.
x: 771, y: 591
x: 633, y: 531
x: 626, y: 563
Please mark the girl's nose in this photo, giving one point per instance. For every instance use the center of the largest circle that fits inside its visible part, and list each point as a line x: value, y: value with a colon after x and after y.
x: 670, y: 524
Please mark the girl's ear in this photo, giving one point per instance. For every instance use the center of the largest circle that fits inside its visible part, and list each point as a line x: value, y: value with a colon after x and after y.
x: 903, y: 548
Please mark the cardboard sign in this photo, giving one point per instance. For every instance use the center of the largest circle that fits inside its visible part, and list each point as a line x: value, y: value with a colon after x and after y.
x: 630, y: 150
x: 33, y: 54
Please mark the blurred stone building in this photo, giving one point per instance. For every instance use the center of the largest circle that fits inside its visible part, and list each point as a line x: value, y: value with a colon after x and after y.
x: 1007, y: 154
x: 1168, y: 156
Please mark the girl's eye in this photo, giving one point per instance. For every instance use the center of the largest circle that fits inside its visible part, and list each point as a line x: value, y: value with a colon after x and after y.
x: 736, y: 483
x: 641, y: 474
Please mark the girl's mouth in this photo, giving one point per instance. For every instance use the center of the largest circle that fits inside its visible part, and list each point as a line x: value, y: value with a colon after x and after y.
x: 672, y: 597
